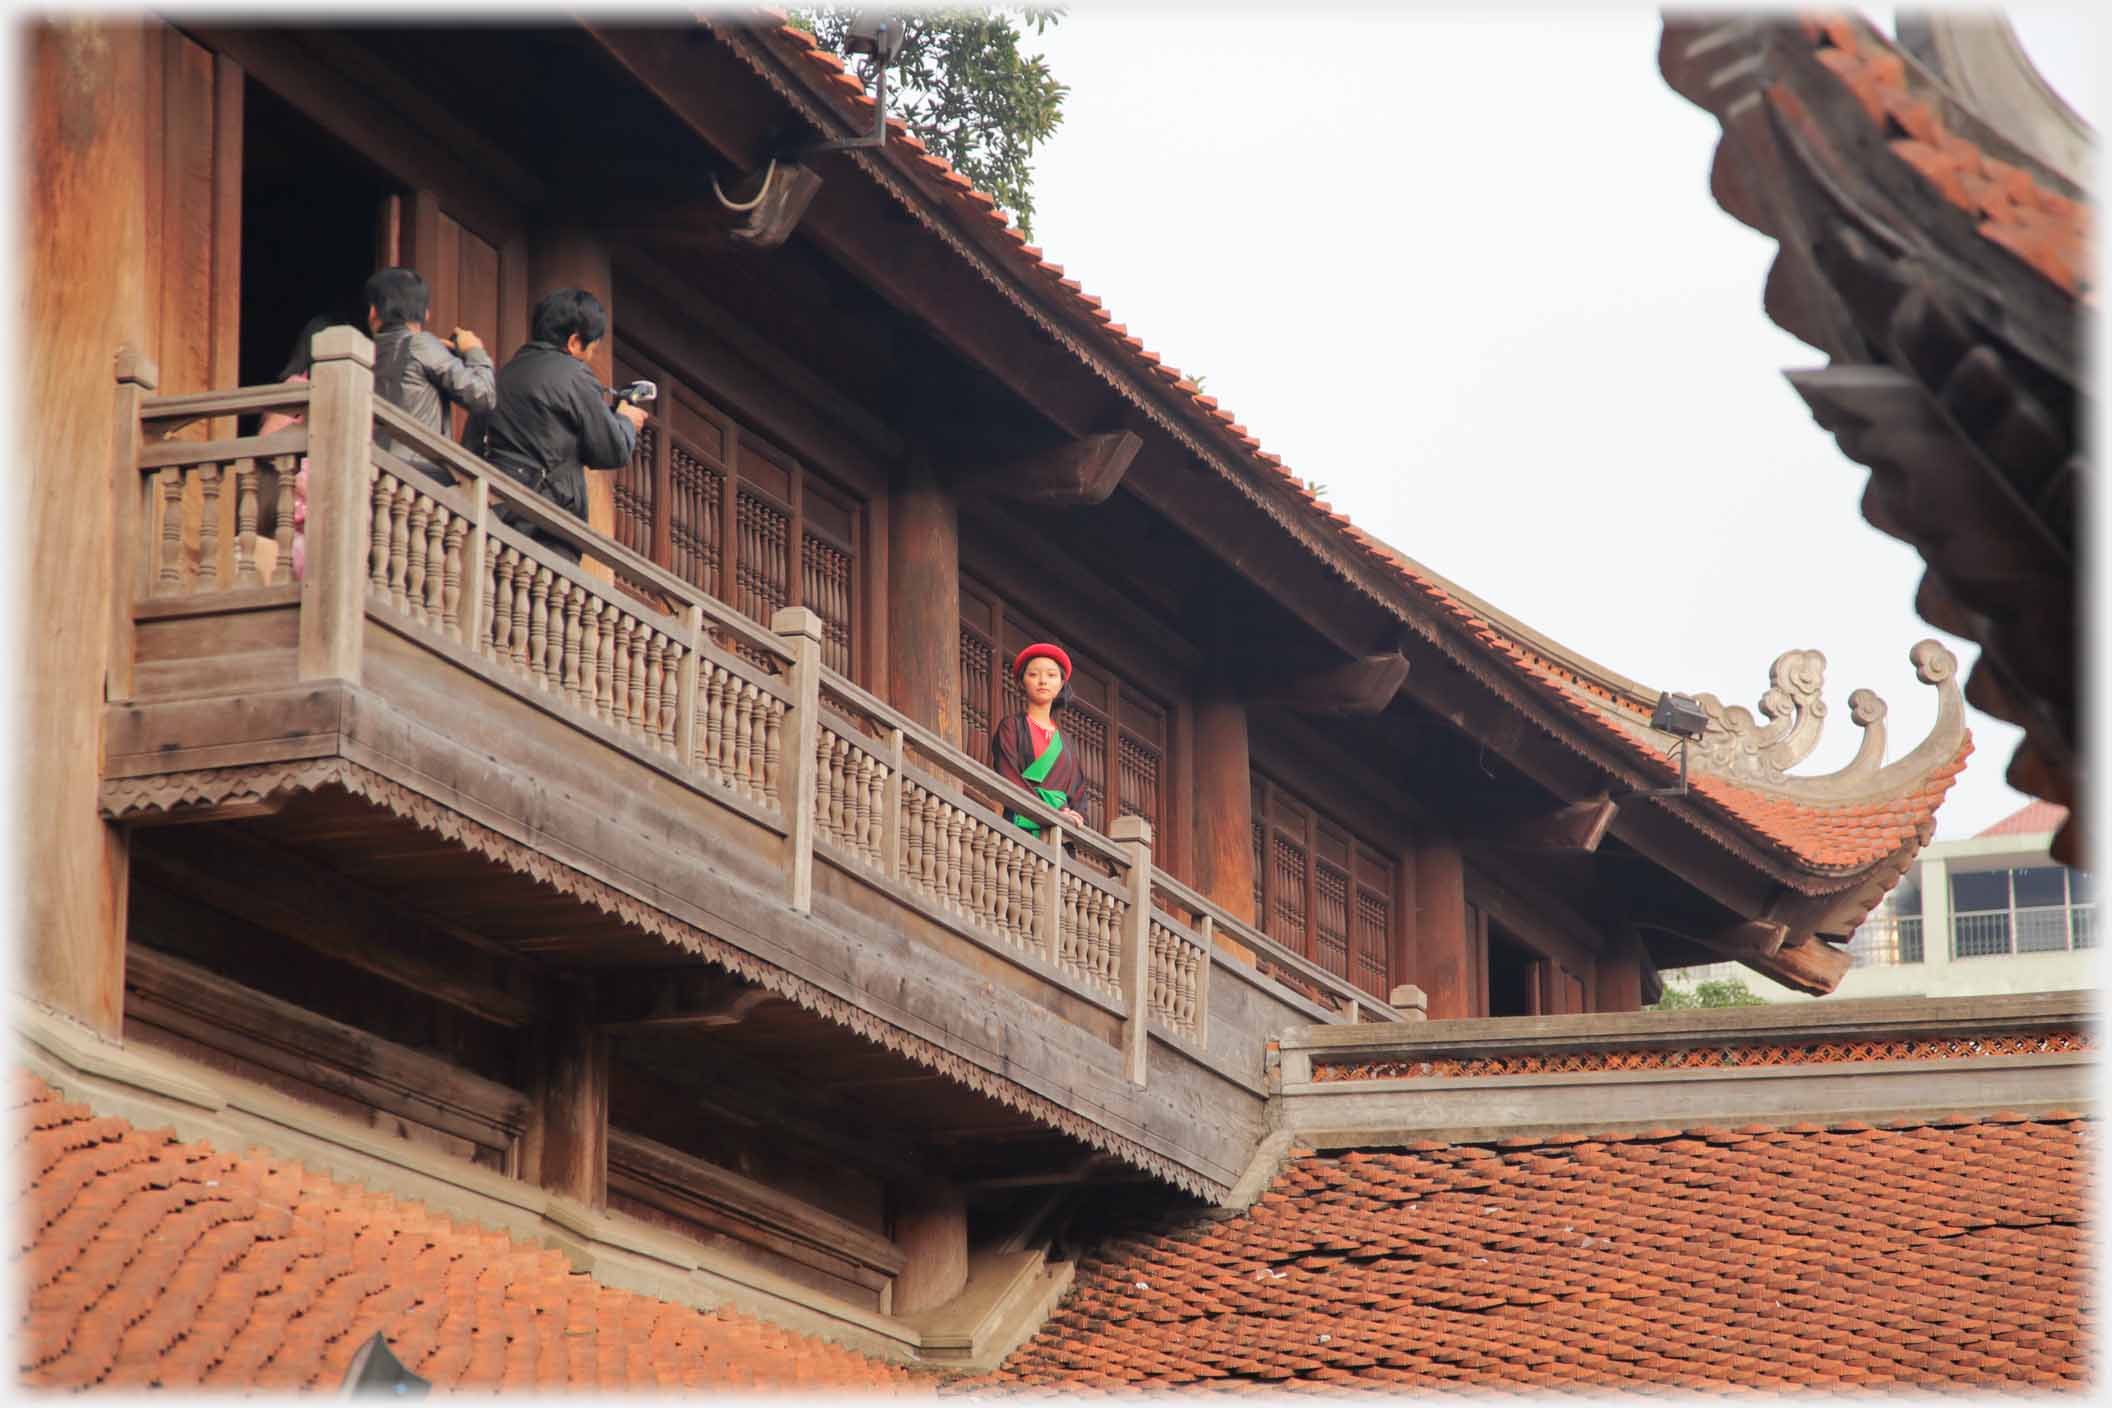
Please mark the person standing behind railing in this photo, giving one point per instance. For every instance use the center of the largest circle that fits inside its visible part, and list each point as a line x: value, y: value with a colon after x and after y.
x: 296, y: 369
x: 553, y: 422
x: 418, y: 372
x: 1027, y: 748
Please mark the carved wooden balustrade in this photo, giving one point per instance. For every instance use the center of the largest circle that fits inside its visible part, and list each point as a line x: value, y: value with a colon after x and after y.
x: 748, y: 716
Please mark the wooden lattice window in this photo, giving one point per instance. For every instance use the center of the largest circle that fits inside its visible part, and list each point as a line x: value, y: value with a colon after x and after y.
x: 739, y: 518
x: 1119, y: 731
x: 1320, y: 892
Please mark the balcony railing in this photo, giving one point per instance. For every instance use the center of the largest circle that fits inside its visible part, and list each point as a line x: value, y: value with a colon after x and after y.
x: 2042, y: 929
x: 1885, y: 941
x: 748, y: 715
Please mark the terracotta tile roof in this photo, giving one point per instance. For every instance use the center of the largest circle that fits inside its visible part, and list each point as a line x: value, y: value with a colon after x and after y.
x: 147, y: 1262
x: 1844, y: 839
x: 1917, y: 1255
x: 2041, y: 227
x: 2038, y: 817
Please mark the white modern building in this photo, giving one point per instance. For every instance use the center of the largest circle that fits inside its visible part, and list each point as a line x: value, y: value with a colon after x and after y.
x: 1990, y: 914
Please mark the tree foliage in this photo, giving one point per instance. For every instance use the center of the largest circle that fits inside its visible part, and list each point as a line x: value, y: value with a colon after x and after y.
x: 1717, y: 992
x: 964, y: 88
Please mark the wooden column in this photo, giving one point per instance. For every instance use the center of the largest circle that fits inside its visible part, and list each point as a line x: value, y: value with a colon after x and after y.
x: 572, y: 258
x: 1620, y: 978
x: 1133, y: 835
x: 83, y: 255
x: 801, y: 630
x: 340, y: 434
x: 1224, y: 801
x: 931, y: 1228
x: 924, y: 607
x: 568, y: 1139
x: 1443, y: 959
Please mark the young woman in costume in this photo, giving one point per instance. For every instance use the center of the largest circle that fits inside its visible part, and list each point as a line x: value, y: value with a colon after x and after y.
x: 1028, y: 748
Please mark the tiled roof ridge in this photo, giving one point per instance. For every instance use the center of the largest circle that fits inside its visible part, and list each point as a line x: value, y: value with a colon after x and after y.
x: 147, y: 1261
x: 2044, y: 230
x: 1800, y: 832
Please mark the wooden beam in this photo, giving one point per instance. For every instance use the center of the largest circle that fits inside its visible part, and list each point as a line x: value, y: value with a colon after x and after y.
x: 1813, y: 966
x: 1356, y: 687
x: 701, y: 997
x: 1575, y: 829
x: 1076, y: 474
x: 1746, y: 938
x: 288, y: 895
x: 569, y: 1126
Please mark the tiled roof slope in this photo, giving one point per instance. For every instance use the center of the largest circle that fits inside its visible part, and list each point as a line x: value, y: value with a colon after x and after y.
x: 1945, y: 1253
x: 1833, y: 839
x: 147, y: 1262
x: 2038, y: 817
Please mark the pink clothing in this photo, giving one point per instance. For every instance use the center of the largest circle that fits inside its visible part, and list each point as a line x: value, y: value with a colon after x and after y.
x: 273, y: 422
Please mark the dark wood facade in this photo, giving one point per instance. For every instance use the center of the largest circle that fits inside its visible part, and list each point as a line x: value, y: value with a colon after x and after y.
x: 725, y: 937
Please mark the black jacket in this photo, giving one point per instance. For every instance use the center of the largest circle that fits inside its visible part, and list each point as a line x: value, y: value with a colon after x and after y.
x: 422, y: 374
x: 1012, y: 748
x: 552, y: 424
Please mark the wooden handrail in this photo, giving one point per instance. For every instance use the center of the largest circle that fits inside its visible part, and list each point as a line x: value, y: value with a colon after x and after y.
x: 557, y: 522
x: 242, y: 401
x: 1251, y: 937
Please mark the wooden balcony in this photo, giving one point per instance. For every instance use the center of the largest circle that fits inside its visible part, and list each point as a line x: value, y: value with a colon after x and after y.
x: 619, y: 778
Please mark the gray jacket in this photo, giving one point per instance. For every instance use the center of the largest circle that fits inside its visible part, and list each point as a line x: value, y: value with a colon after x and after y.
x: 423, y: 376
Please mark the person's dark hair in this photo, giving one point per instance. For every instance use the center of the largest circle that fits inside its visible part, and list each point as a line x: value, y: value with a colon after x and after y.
x: 566, y: 311
x: 303, y: 357
x: 399, y: 295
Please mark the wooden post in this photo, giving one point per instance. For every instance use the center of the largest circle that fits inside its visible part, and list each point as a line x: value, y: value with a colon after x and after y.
x: 1442, y: 956
x: 340, y: 430
x: 891, y: 805
x: 931, y: 1228
x: 1051, y: 934
x: 129, y: 561
x: 692, y: 657
x: 572, y: 1101
x: 1620, y: 982
x: 801, y: 629
x: 1202, y: 982
x: 1224, y: 802
x: 1133, y: 834
x: 476, y: 568
x: 924, y: 580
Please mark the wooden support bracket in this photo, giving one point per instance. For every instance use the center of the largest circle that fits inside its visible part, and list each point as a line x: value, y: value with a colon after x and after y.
x: 1077, y: 474
x: 1357, y: 687
x: 1575, y: 829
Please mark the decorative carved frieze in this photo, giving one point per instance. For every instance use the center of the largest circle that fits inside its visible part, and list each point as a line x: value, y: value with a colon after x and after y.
x: 1742, y: 749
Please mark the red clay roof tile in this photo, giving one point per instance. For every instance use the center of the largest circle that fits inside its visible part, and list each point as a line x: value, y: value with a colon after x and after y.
x: 149, y: 1263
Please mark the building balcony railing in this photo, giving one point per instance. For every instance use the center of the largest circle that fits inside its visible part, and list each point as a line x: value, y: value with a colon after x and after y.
x: 1885, y: 941
x: 2042, y: 929
x: 745, y: 716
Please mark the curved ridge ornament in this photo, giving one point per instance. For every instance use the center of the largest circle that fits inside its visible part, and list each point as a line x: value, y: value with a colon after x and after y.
x: 1739, y: 748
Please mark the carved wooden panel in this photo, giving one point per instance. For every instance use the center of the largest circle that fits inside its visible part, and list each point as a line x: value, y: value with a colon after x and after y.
x: 634, y: 491
x: 1371, y: 940
x: 1139, y: 773
x: 975, y: 694
x: 761, y: 586
x: 1287, y: 913
x: 1331, y: 918
x: 1087, y: 732
x: 825, y: 589
x: 697, y: 490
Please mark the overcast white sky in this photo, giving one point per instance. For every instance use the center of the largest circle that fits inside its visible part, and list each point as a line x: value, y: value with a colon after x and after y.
x: 1466, y: 272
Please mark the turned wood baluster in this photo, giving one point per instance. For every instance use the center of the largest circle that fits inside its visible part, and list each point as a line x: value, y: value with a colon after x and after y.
x: 1016, y: 915
x: 744, y: 737
x: 710, y: 690
x: 649, y: 707
x: 436, y: 565
x: 169, y: 580
x: 419, y: 513
x: 871, y: 779
x: 451, y: 578
x: 671, y: 693
x: 773, y: 741
x: 731, y: 764
x: 589, y: 668
x: 497, y: 636
x: 208, y: 527
x: 539, y: 627
x: 523, y: 580
x: 384, y: 494
x: 824, y: 745
x: 283, y: 470
x: 620, y: 630
x: 909, y: 832
x: 245, y: 523
x: 605, y: 662
x: 977, y: 886
x: 635, y: 711
x: 399, y: 540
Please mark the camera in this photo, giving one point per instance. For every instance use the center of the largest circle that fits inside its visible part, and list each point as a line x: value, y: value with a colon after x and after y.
x: 638, y: 393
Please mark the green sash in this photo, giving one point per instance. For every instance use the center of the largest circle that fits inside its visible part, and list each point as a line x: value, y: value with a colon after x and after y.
x: 1036, y: 772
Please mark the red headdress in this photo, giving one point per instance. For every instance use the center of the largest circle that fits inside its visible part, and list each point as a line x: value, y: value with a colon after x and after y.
x: 1043, y: 648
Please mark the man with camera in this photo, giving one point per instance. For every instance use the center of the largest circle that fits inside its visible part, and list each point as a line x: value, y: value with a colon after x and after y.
x: 553, y: 421
x: 421, y: 373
